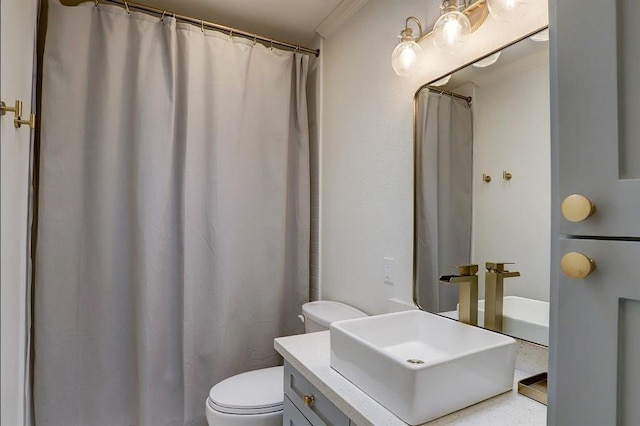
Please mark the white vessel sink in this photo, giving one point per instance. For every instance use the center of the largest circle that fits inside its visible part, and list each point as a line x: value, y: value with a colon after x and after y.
x: 421, y: 366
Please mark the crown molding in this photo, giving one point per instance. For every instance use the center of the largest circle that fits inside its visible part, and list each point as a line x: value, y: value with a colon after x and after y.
x: 341, y: 14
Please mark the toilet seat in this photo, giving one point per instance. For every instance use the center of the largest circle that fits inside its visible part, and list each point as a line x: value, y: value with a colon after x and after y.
x: 254, y: 392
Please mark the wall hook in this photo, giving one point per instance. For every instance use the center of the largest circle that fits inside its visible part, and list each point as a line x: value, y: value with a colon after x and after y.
x: 17, y: 115
x: 16, y: 110
x: 486, y: 178
x: 506, y: 175
x: 31, y: 122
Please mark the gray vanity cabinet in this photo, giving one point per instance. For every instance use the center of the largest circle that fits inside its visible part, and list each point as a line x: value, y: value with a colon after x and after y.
x: 292, y: 416
x: 305, y: 405
x: 595, y: 319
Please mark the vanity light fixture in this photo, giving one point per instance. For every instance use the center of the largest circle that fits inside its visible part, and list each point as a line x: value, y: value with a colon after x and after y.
x: 541, y: 36
x: 459, y: 19
x: 507, y: 10
x: 444, y: 80
x: 407, y: 56
x: 452, y: 28
x: 488, y: 61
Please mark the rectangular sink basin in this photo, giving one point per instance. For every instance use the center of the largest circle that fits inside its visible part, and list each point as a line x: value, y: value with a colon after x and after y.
x: 422, y: 366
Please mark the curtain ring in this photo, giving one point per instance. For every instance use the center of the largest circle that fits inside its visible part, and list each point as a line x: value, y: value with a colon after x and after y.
x: 255, y: 39
x: 271, y: 44
x: 126, y: 6
x: 230, y: 34
x: 202, y: 26
x: 164, y: 12
x: 97, y: 3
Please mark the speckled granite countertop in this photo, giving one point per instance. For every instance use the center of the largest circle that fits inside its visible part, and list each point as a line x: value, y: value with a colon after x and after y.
x: 309, y: 354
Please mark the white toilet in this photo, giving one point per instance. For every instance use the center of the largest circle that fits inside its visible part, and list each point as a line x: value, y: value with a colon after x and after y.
x: 255, y: 398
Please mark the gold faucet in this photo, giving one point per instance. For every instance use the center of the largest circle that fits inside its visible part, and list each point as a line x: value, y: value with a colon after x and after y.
x: 467, y: 281
x: 494, y: 294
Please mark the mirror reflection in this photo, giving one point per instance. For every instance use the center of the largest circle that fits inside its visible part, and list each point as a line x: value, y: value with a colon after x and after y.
x: 482, y: 192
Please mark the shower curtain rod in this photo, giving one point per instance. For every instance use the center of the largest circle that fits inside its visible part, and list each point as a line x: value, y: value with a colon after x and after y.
x: 231, y: 31
x: 446, y: 92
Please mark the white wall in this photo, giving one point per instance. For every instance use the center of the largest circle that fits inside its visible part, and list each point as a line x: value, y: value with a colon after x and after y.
x: 366, y: 170
x: 18, y: 42
x: 367, y: 147
x: 511, y: 218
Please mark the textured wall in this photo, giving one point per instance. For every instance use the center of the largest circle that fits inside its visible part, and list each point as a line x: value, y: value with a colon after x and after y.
x: 367, y: 180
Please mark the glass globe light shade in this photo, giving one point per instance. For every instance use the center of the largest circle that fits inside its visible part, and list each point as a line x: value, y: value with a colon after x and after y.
x: 451, y: 30
x: 507, y: 10
x: 444, y: 80
x: 488, y: 61
x: 541, y: 36
x: 406, y: 58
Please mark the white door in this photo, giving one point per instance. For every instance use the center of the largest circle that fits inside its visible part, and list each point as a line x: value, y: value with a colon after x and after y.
x: 595, y: 319
x: 18, y: 30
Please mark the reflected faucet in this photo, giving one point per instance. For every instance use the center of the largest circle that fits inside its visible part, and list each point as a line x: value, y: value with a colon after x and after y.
x: 467, y: 281
x: 494, y: 294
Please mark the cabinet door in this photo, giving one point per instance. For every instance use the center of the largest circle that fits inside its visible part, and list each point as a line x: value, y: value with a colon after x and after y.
x: 596, y: 370
x: 320, y: 411
x: 595, y: 92
x: 595, y: 64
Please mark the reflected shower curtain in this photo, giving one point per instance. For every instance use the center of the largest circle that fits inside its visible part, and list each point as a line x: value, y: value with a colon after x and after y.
x: 443, y: 167
x: 173, y: 233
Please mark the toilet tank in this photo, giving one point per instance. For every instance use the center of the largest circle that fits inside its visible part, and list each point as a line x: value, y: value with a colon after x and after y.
x: 320, y: 314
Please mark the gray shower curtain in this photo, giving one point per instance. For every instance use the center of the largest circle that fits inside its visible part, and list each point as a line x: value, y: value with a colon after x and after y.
x: 173, y: 233
x: 443, y: 167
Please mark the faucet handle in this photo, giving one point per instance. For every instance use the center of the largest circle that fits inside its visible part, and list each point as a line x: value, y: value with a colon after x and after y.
x: 497, y: 267
x: 467, y: 270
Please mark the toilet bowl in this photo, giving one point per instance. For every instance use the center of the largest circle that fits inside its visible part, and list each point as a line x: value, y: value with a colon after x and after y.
x: 256, y: 398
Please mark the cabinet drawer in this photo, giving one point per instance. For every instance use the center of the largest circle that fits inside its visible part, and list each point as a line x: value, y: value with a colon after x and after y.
x: 319, y: 412
x: 292, y: 416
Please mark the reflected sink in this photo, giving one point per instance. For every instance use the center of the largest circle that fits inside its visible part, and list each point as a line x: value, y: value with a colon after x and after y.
x: 524, y: 318
x: 421, y: 366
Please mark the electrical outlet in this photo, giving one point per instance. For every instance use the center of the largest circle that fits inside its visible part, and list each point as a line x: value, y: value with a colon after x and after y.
x: 388, y: 270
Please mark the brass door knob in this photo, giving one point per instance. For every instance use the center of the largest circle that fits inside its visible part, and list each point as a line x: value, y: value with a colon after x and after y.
x: 576, y: 208
x: 308, y: 400
x: 577, y: 265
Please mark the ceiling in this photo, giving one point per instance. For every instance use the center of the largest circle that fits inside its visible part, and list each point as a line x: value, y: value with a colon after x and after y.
x: 293, y: 21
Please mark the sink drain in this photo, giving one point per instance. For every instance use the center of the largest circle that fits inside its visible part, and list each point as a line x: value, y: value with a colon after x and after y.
x: 415, y: 361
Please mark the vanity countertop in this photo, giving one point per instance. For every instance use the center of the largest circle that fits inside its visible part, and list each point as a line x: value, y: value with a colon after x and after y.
x: 309, y: 354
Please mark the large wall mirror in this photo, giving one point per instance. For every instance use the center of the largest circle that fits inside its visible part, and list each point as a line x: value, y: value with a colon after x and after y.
x: 482, y: 190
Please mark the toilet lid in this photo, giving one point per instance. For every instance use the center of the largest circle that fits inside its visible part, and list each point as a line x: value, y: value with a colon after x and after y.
x: 254, y: 392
